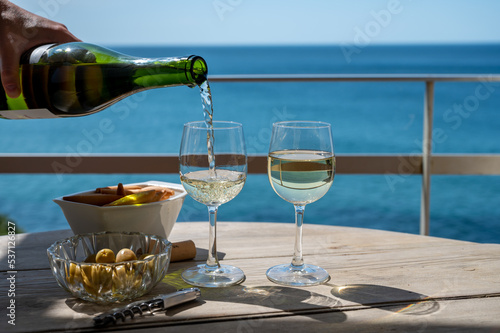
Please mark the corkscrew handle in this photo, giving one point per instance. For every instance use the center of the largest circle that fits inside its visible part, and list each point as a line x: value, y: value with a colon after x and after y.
x: 179, y: 297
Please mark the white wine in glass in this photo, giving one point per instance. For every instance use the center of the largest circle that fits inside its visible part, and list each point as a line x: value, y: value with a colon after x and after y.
x: 213, y: 177
x: 301, y: 168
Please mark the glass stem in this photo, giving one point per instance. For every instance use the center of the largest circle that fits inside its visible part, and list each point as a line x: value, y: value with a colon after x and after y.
x: 297, y: 261
x: 212, y: 261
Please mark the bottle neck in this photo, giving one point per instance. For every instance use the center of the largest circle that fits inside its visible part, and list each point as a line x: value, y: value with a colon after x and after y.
x: 150, y: 73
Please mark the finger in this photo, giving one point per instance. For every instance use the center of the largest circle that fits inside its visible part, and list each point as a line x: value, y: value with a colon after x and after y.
x: 9, y: 71
x: 60, y: 34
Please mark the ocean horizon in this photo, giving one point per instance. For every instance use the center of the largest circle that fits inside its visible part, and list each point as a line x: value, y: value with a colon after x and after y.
x: 366, y: 118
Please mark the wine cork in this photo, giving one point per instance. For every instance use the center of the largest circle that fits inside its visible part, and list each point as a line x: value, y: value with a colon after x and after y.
x: 183, y: 251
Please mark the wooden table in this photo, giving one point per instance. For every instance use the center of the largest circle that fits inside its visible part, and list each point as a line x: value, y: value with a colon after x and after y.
x: 380, y: 281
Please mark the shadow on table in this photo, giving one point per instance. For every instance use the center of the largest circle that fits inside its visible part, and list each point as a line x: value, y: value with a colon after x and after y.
x: 286, y: 299
x: 386, y: 298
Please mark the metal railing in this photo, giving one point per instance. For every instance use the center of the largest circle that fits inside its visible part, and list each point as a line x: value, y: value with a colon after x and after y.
x: 425, y: 164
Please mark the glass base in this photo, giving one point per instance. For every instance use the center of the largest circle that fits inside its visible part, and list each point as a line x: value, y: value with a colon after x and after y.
x: 305, y: 275
x: 204, y: 276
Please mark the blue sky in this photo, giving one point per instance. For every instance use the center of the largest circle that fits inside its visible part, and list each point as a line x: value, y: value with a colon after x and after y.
x: 221, y: 22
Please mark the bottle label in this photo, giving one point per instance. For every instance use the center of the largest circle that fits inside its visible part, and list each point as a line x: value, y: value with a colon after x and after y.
x: 27, y: 114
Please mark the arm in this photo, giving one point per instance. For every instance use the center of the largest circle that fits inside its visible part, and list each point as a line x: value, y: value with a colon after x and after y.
x: 20, y: 31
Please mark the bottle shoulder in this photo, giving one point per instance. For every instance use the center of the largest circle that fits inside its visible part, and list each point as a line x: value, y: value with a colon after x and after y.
x: 75, y: 53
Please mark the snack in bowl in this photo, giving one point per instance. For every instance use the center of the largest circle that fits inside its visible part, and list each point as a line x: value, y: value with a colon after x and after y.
x: 87, y: 267
x: 123, y: 195
x: 125, y: 207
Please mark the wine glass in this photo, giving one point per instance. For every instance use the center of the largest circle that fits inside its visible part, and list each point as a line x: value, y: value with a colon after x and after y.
x: 213, y: 169
x: 301, y: 168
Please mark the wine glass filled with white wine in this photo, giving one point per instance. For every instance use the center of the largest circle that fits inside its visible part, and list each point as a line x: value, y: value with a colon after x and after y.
x: 301, y: 168
x: 213, y: 169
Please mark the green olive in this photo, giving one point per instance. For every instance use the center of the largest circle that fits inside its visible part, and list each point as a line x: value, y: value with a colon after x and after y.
x: 145, y: 256
x: 105, y: 256
x: 125, y: 255
x: 74, y: 275
x: 151, y: 263
x: 97, y: 279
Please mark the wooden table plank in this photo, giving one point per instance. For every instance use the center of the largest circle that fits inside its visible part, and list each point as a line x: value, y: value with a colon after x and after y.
x: 249, y: 240
x: 268, y: 304
x: 371, y: 271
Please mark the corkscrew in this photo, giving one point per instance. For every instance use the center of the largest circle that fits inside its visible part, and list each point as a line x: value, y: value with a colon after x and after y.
x: 159, y: 303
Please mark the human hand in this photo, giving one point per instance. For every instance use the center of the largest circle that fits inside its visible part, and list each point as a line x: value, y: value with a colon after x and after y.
x: 21, y: 30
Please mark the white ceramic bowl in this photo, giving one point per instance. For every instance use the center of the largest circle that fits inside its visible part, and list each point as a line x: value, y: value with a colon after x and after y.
x: 156, y: 218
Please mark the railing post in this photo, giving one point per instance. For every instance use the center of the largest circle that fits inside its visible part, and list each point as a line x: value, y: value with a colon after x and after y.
x: 426, y: 158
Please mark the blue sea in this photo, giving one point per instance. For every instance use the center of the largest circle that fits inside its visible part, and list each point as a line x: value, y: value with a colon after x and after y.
x: 366, y: 117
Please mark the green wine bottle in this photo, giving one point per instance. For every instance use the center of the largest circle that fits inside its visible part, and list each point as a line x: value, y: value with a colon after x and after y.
x: 78, y: 79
